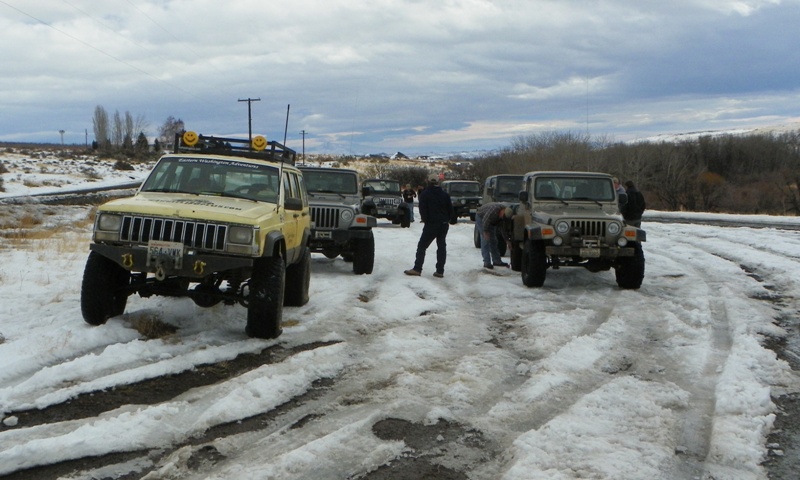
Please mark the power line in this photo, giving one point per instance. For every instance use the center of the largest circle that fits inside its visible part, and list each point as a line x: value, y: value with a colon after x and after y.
x: 95, y: 48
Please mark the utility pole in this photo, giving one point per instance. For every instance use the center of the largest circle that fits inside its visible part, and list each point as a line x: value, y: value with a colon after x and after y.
x: 249, y: 116
x: 62, y: 137
x: 304, y: 133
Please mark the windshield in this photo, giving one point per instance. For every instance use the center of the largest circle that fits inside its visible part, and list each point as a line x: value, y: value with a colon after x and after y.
x: 331, y: 182
x: 574, y: 188
x: 211, y: 176
x: 383, y: 186
x: 506, y: 189
x: 464, y: 188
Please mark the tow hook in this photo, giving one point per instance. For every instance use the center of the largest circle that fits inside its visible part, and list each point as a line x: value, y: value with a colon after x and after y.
x: 160, y: 275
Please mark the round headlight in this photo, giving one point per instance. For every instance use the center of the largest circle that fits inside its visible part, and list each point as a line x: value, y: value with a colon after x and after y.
x: 557, y: 241
x: 622, y: 241
x: 109, y: 222
x: 347, y: 215
x: 562, y: 227
x: 614, y: 228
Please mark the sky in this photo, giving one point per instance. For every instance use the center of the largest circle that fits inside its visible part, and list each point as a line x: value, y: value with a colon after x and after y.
x: 351, y: 77
x: 577, y: 379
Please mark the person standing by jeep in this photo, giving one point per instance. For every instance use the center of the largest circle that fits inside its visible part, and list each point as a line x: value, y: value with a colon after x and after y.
x: 409, y: 194
x: 487, y: 219
x: 436, y: 212
x: 632, y: 211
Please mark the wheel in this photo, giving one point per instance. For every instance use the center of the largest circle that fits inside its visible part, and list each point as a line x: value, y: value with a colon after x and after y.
x: 472, y: 217
x: 102, y: 294
x: 476, y: 237
x: 405, y: 222
x: 534, y: 264
x: 364, y: 255
x: 630, y: 270
x: 298, y: 279
x: 516, y: 256
x: 265, y: 300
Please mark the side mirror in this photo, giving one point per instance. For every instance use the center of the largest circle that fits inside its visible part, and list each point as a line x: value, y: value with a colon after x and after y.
x: 293, y: 204
x: 523, y: 196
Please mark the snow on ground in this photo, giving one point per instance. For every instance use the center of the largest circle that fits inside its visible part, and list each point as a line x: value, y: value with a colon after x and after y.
x: 578, y: 379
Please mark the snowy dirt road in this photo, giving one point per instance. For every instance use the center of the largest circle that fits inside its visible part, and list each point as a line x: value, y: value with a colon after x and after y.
x: 384, y: 376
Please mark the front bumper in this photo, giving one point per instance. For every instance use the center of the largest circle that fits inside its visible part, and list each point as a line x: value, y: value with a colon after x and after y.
x: 590, y: 252
x: 192, y: 264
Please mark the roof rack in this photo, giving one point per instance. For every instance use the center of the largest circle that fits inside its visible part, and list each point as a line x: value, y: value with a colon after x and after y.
x: 258, y: 148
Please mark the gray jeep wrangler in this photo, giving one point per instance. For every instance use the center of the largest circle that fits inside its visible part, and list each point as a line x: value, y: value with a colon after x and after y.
x: 383, y: 198
x: 338, y: 227
x: 465, y: 195
x: 572, y: 219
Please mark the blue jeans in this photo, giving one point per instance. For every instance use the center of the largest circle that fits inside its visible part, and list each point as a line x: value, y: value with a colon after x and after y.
x: 410, y: 206
x: 489, y: 249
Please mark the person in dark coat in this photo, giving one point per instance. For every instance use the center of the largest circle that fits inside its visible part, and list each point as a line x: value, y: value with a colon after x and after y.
x: 634, y: 208
x: 409, y: 194
x: 436, y: 213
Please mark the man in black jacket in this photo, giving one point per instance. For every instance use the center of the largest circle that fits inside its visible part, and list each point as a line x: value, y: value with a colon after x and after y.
x: 632, y: 211
x: 436, y: 213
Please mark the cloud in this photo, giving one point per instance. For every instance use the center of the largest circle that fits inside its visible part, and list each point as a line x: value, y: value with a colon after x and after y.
x: 470, y: 71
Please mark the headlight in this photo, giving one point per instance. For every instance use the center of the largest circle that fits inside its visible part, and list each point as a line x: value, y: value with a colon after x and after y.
x: 347, y: 215
x: 614, y: 228
x: 241, y: 235
x: 562, y: 227
x: 622, y: 241
x: 109, y: 222
x: 558, y: 241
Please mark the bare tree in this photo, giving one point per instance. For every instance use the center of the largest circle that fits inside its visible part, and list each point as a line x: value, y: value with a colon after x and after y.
x: 117, y: 130
x: 168, y: 130
x: 100, y: 124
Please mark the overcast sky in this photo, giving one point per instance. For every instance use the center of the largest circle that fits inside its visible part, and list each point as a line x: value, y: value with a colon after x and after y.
x: 399, y: 75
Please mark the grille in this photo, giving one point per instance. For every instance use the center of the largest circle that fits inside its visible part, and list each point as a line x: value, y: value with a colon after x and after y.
x: 207, y: 236
x: 388, y: 201
x: 325, y: 217
x: 591, y: 228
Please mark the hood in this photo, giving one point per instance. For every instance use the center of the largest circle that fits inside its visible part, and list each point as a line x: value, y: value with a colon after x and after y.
x: 203, y: 207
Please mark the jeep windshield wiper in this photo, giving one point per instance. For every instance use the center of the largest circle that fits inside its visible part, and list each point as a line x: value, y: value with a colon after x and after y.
x: 550, y: 197
x: 588, y: 200
x: 331, y: 191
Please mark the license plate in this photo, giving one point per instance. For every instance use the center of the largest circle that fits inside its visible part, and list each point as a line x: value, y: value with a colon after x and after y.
x: 381, y: 212
x: 473, y: 210
x: 158, y: 248
x: 590, y: 252
x: 323, y: 234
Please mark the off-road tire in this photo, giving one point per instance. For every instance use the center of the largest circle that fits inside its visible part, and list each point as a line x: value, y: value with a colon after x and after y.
x: 298, y: 280
x: 515, y: 256
x: 265, y: 300
x: 472, y: 217
x: 476, y: 237
x: 630, y: 270
x: 534, y: 264
x: 102, y: 294
x: 364, y: 255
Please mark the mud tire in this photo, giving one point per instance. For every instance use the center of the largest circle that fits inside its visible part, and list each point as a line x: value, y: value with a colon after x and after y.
x: 630, y: 270
x: 298, y: 280
x: 364, y: 255
x: 102, y: 289
x: 265, y: 300
x: 534, y: 264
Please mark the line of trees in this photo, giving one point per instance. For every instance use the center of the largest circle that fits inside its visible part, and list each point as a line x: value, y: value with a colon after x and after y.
x: 756, y: 173
x: 115, y: 135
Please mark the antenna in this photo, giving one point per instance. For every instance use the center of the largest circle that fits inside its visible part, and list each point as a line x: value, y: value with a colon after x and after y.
x: 286, y: 126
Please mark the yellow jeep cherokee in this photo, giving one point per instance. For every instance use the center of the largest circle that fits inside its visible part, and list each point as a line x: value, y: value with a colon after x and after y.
x: 218, y: 220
